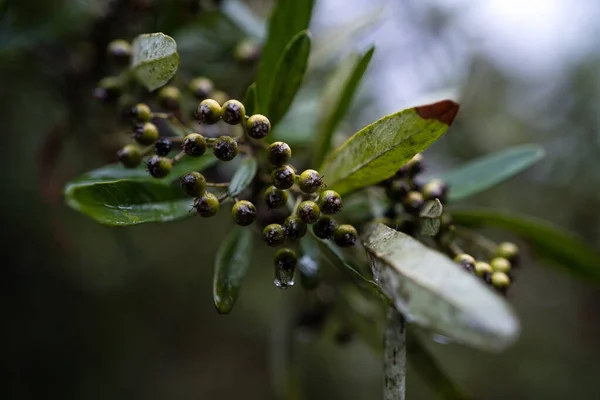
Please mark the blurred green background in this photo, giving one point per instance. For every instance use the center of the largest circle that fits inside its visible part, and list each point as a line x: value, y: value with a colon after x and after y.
x: 102, y: 313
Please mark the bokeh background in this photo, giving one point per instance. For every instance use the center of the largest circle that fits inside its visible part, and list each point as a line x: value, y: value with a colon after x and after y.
x: 92, y: 312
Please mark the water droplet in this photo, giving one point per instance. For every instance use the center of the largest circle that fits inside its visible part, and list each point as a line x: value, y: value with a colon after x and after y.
x: 441, y: 339
x: 284, y: 277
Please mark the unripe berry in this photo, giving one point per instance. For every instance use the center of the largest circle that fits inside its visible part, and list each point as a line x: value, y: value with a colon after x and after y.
x: 500, y: 280
x: 225, y: 148
x: 194, y: 145
x: 145, y: 133
x: 274, y: 235
x: 436, y: 189
x: 209, y: 112
x: 193, y: 184
x: 141, y: 112
x: 295, y: 228
x: 482, y: 268
x: 285, y: 261
x: 500, y: 264
x: 163, y: 146
x: 345, y: 235
x: 466, y: 261
x: 330, y: 202
x: 279, y: 153
x: 308, y: 211
x: 247, y: 50
x: 258, y: 126
x: 201, y: 87
x: 120, y: 51
x: 233, y: 112
x: 415, y: 165
x: 310, y: 181
x: 169, y: 97
x: 325, y: 227
x: 243, y: 213
x: 159, y: 167
x: 413, y: 202
x: 275, y: 198
x: 108, y: 89
x: 219, y: 96
x: 397, y: 190
x: 130, y: 156
x: 207, y: 205
x: 508, y: 250
x: 283, y: 177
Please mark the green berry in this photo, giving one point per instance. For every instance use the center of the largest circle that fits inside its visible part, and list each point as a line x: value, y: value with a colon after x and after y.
x: 159, y: 167
x: 108, y: 89
x: 295, y: 228
x: 279, y: 153
x: 209, y: 112
x: 145, y: 133
x: 201, y: 87
x: 163, y: 146
x: 220, y: 96
x: 500, y: 280
x: 325, y: 227
x: 413, y: 202
x: 141, y: 112
x: 283, y: 177
x: 482, y: 268
x: 330, y: 202
x: 169, y: 97
x: 397, y: 190
x: 194, y: 145
x: 274, y: 235
x: 275, y: 198
x: 258, y: 126
x: 130, y: 156
x: 500, y: 264
x: 310, y: 181
x: 233, y: 111
x: 508, y: 250
x: 415, y: 165
x: 193, y: 184
x: 247, y: 50
x: 285, y: 261
x: 345, y: 235
x: 207, y: 205
x: 466, y: 261
x: 308, y: 211
x: 436, y: 189
x: 119, y: 50
x: 225, y: 148
x: 243, y: 213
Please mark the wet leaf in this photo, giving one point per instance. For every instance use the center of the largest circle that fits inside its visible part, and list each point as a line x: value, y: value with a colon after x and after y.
x: 250, y: 99
x: 243, y: 176
x: 490, y: 170
x: 289, y: 17
x: 559, y: 247
x: 231, y: 264
x: 337, y: 98
x: 379, y: 150
x: 288, y: 77
x: 154, y: 59
x: 432, y: 291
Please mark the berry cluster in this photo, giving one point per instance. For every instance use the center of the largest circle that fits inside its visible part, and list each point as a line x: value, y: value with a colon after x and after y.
x: 498, y: 272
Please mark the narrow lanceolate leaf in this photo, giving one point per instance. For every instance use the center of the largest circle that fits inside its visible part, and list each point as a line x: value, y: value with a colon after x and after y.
x: 560, y: 248
x: 288, y: 77
x: 308, y: 264
x: 394, y: 357
x: 243, y: 176
x: 287, y: 19
x: 231, y: 264
x: 337, y: 99
x: 154, y: 59
x: 124, y: 202
x: 432, y: 291
x: 379, y: 150
x: 490, y: 170
x: 250, y: 99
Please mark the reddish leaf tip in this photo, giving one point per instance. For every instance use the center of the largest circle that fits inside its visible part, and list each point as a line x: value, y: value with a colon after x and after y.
x: 444, y: 111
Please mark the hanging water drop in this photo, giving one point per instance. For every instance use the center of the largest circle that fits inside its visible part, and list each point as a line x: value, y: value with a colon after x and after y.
x: 285, y: 261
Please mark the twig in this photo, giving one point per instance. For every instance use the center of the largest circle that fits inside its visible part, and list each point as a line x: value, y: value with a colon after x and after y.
x: 394, y: 357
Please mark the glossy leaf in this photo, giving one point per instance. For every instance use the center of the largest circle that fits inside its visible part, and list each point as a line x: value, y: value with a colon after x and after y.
x: 288, y: 18
x: 154, y: 59
x: 288, y: 77
x: 126, y: 202
x: 556, y: 245
x: 337, y: 99
x: 379, y: 150
x: 231, y: 265
x: 250, y: 99
x: 243, y: 176
x: 490, y: 170
x: 430, y: 290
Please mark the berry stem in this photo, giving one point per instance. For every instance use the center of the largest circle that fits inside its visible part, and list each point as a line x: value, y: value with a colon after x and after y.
x: 477, y: 239
x: 182, y: 129
x: 178, y: 157
x: 147, y: 150
x: 223, y: 196
x: 218, y: 185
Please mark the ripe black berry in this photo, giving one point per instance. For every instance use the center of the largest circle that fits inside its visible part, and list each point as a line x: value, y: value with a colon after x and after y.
x: 193, y: 184
x: 206, y: 205
x: 413, y: 202
x: 159, y: 167
x: 201, y: 87
x: 258, y: 126
x: 415, y: 165
x: 285, y: 261
x: 283, y: 177
x: 295, y: 228
x: 324, y: 227
x: 233, y: 112
x: 310, y: 181
x: 345, y: 235
x: 194, y: 145
x: 279, y: 153
x: 163, y: 146
x: 130, y: 156
x: 141, y: 112
x: 275, y: 198
x: 209, y: 112
x: 225, y: 148
x: 145, y: 133
x: 169, y: 97
x: 308, y: 211
x: 243, y: 213
x: 330, y: 202
x: 274, y: 235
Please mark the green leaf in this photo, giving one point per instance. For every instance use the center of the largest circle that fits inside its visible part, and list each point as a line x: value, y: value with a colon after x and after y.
x: 490, y: 170
x: 129, y: 202
x: 250, y: 99
x: 429, y: 226
x: 287, y: 19
x: 337, y: 99
x: 432, y: 291
x: 154, y: 59
x: 379, y: 150
x: 561, y: 248
x: 432, y: 209
x: 231, y: 264
x: 243, y: 176
x: 288, y: 77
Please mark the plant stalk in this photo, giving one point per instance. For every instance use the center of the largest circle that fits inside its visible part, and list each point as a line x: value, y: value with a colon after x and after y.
x: 394, y: 356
